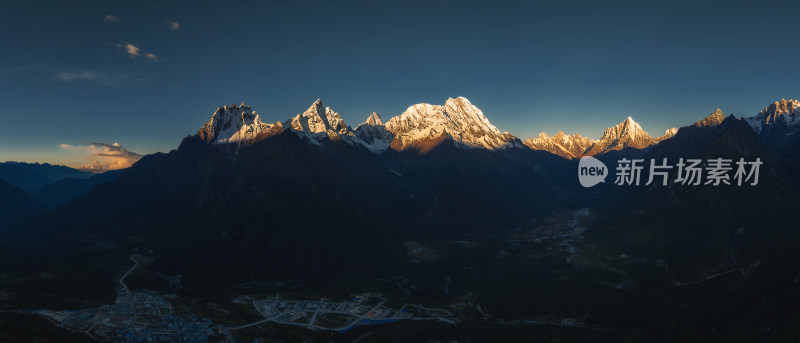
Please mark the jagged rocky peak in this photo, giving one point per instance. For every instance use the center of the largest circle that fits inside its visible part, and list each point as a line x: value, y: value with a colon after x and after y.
x: 713, y: 119
x: 229, y: 124
x: 374, y: 119
x: 627, y: 134
x: 373, y: 134
x: 318, y: 119
x: 626, y: 129
x: 782, y: 107
x: 561, y: 144
x: 783, y: 110
x: 777, y: 124
x: 425, y: 125
x: 669, y: 133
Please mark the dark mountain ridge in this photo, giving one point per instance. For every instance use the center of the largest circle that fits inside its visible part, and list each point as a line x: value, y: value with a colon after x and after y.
x: 283, y: 202
x: 32, y: 176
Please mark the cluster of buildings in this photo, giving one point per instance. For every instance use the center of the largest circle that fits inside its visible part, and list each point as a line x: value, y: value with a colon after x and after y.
x: 362, y: 309
x: 136, y: 316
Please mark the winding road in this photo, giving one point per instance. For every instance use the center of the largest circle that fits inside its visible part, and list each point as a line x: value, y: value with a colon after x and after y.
x: 122, y: 279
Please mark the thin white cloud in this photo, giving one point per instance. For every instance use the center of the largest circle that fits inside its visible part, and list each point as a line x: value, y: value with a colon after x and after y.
x: 110, y: 18
x: 104, y: 78
x: 173, y: 25
x: 103, y: 157
x: 79, y: 75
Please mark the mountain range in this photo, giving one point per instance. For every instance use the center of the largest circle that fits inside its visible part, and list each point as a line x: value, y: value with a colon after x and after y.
x: 423, y: 126
x: 397, y: 150
x: 420, y: 127
x: 439, y: 193
x: 627, y: 134
x: 32, y: 176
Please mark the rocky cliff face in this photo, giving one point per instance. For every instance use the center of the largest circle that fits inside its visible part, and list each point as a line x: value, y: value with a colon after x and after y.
x: 778, y: 124
x: 374, y: 134
x: 236, y: 124
x: 713, y: 119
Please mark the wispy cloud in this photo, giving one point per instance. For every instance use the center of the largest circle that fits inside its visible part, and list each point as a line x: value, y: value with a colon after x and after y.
x: 110, y: 18
x: 130, y: 49
x: 173, y: 25
x: 135, y: 52
x: 150, y: 57
x: 103, y: 157
x: 104, y: 78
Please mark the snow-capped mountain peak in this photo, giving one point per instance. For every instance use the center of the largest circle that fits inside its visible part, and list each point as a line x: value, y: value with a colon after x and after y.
x: 782, y: 107
x: 318, y: 119
x: 425, y: 125
x: 229, y: 124
x: 627, y: 134
x: 567, y: 146
x: 783, y: 112
x: 668, y: 134
x: 628, y: 128
x: 464, y: 113
x: 373, y: 134
x: 374, y: 119
x: 777, y: 124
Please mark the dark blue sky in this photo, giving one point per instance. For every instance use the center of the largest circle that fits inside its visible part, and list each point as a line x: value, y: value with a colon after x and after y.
x: 68, y: 77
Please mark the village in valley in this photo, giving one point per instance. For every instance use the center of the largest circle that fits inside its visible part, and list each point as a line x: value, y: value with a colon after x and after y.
x: 146, y: 316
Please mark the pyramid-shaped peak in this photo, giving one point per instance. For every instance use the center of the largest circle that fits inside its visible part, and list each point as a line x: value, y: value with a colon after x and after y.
x: 627, y: 134
x: 713, y: 119
x: 374, y: 119
x: 628, y: 125
x: 316, y: 107
x: 318, y: 119
x: 630, y: 122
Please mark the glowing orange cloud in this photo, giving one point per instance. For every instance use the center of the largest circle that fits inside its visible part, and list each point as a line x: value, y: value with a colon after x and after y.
x: 103, y: 157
